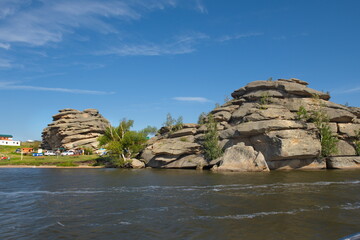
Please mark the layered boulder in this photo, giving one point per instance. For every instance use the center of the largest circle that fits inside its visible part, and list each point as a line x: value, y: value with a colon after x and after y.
x: 73, y: 128
x: 262, y: 122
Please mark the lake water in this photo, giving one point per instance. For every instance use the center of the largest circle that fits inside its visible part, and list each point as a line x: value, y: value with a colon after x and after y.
x: 177, y: 204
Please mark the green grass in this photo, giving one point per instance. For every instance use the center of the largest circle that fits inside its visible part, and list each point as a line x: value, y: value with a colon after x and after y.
x: 64, y: 161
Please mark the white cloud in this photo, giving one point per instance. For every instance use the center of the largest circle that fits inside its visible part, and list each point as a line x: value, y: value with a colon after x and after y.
x: 5, y: 46
x: 239, y: 36
x: 14, y: 86
x: 192, y: 99
x: 179, y: 45
x: 48, y: 21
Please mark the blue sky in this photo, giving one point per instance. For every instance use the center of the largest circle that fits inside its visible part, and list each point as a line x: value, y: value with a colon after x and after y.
x: 142, y: 59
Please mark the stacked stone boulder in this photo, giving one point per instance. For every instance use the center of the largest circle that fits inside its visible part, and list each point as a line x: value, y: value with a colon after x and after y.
x: 73, y: 128
x: 261, y: 120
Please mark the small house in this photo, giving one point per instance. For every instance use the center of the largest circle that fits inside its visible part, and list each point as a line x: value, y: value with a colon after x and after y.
x: 27, y: 150
x: 7, y: 140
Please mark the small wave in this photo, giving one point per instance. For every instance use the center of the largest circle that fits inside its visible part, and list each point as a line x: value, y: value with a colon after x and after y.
x: 263, y: 214
x: 350, y: 206
x: 152, y: 188
x: 20, y: 193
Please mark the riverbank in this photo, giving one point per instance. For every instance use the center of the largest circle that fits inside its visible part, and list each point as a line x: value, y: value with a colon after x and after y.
x: 48, y: 166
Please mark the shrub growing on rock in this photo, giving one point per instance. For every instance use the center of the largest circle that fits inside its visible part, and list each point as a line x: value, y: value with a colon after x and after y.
x: 357, y: 142
x: 212, y: 150
x: 321, y: 121
x: 172, y: 123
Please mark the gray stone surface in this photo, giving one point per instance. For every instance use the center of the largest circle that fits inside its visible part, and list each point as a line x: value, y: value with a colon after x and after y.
x: 344, y: 149
x: 297, y: 164
x: 241, y: 158
x: 287, y: 144
x: 73, y: 128
x: 263, y: 115
x: 137, y: 163
x: 260, y: 127
x: 343, y: 162
x: 348, y: 129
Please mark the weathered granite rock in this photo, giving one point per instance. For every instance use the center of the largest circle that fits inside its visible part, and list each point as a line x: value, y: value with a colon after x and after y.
x: 174, y: 147
x: 135, y: 163
x: 297, y: 164
x: 183, y: 132
x: 241, y: 158
x: 343, y: 162
x: 73, y: 128
x: 262, y: 115
x: 259, y: 127
x: 287, y: 144
x: 349, y: 129
x: 189, y: 161
x: 291, y: 87
x: 345, y: 149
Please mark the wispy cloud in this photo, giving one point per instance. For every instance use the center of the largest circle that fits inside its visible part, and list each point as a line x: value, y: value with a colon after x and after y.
x: 4, y: 63
x: 16, y: 86
x: 48, y: 21
x: 239, y: 36
x: 192, y: 99
x: 350, y: 90
x: 5, y: 46
x: 200, y: 6
x: 179, y: 45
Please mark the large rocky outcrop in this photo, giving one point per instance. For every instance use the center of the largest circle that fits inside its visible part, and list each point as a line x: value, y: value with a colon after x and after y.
x: 72, y: 128
x: 261, y: 120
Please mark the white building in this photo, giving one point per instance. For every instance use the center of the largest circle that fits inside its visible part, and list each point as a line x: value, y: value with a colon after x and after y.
x: 7, y: 140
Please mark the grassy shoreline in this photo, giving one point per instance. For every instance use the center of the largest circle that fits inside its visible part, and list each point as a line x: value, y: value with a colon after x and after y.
x: 15, y: 160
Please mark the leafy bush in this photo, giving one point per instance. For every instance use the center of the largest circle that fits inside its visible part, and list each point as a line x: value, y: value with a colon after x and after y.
x: 212, y: 150
x: 302, y: 114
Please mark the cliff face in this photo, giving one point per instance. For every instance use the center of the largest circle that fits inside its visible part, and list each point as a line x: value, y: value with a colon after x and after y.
x: 72, y: 128
x: 259, y: 130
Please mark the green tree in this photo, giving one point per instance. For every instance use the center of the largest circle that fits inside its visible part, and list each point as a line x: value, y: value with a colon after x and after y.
x: 123, y: 142
x: 212, y: 150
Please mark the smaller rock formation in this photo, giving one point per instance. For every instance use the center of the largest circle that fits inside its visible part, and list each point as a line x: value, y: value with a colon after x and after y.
x: 73, y: 128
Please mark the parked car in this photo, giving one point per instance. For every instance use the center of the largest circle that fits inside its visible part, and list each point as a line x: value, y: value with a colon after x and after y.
x: 50, y: 153
x: 67, y: 153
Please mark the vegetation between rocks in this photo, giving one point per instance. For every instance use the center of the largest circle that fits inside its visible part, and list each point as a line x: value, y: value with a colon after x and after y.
x: 357, y: 142
x: 173, y: 124
x: 212, y: 150
x: 321, y: 121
